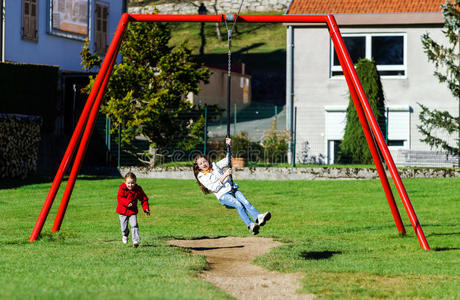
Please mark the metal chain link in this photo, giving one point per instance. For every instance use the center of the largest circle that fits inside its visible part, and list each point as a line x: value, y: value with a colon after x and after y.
x: 229, y: 62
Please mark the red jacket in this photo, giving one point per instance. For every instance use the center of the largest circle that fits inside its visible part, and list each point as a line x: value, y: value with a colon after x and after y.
x: 126, y: 196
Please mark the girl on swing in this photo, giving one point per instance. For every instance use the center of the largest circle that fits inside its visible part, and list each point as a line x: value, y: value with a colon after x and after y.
x: 211, y: 178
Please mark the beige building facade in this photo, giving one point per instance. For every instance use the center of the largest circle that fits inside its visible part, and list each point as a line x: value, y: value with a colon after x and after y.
x: 319, y: 92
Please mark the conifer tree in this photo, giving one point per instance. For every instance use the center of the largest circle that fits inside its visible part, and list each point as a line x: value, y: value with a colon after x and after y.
x: 446, y: 58
x: 354, y: 148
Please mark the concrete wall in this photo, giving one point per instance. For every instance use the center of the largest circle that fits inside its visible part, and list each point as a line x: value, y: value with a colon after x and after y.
x: 49, y: 49
x: 314, y: 89
x: 290, y: 173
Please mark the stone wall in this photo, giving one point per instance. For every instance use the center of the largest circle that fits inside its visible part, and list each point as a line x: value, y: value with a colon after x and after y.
x: 221, y: 7
x: 292, y: 173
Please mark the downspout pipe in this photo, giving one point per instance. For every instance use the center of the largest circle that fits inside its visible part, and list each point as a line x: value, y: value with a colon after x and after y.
x: 2, y: 35
x: 290, y: 91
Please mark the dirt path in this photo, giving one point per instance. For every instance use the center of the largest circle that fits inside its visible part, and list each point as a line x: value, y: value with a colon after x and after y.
x: 230, y: 259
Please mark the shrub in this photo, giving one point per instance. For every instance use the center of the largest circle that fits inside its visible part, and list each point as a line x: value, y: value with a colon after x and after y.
x: 243, y: 147
x: 275, y: 145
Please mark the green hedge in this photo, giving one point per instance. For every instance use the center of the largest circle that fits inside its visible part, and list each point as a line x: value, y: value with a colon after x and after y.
x: 30, y: 90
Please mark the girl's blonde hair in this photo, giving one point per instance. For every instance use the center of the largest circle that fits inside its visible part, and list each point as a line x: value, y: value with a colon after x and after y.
x: 130, y: 175
x: 196, y: 171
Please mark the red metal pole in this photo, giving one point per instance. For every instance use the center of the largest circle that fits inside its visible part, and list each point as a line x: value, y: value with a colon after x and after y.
x: 104, y: 75
x: 282, y: 19
x: 372, y: 145
x: 348, y: 65
x: 221, y: 18
x: 67, y: 158
x: 176, y: 18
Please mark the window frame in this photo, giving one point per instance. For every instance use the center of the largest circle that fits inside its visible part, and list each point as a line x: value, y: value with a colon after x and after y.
x: 368, y: 53
x: 25, y: 35
x: 67, y: 34
x: 97, y: 48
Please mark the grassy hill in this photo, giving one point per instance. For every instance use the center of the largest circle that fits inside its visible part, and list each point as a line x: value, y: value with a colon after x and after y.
x: 261, y: 46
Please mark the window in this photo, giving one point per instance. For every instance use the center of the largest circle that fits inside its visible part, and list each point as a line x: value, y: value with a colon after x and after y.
x: 69, y: 18
x: 388, y: 51
x: 29, y: 20
x: 398, y: 127
x: 100, y: 42
x: 334, y: 130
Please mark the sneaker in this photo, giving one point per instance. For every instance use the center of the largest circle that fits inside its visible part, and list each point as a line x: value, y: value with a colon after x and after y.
x: 254, y: 228
x: 135, y: 245
x: 124, y: 239
x: 262, y: 218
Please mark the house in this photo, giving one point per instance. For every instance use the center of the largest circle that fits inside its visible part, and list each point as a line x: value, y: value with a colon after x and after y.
x: 389, y: 32
x: 215, y: 92
x: 52, y: 32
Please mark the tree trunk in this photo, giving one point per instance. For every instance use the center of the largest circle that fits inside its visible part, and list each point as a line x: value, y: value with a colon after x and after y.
x: 153, y: 159
x: 219, y: 34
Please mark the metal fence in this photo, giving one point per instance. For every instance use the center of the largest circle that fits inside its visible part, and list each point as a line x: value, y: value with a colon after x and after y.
x: 260, y: 136
x: 255, y: 124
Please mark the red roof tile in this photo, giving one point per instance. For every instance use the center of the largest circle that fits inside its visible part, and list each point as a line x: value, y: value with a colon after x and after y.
x: 362, y: 6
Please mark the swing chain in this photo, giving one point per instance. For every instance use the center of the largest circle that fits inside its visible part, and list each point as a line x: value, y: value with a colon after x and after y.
x: 229, y: 62
x: 234, y: 18
x: 230, y: 18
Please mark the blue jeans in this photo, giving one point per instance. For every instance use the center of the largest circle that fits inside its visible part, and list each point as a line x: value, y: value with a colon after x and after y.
x: 242, y: 205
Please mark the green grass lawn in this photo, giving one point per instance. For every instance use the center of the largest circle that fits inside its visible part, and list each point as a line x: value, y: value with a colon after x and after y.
x: 339, y: 235
x: 247, y: 38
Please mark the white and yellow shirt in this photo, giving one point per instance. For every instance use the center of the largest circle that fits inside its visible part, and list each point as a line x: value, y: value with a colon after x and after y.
x: 211, y: 178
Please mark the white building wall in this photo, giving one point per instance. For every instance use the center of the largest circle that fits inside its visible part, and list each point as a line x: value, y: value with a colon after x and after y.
x: 314, y: 89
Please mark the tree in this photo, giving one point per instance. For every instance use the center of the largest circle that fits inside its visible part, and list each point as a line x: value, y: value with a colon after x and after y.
x: 446, y: 58
x: 353, y: 148
x: 147, y: 91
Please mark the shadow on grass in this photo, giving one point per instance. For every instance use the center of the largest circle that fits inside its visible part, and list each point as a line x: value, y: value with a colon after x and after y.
x: 440, y: 225
x: 20, y: 242
x: 446, y: 249
x: 56, y: 237
x: 250, y: 47
x: 203, y: 238
x: 317, y: 255
x: 11, y: 183
x: 444, y: 233
x: 212, y: 248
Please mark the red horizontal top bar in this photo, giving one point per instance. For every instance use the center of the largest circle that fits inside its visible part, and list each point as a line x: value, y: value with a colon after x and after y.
x: 241, y: 18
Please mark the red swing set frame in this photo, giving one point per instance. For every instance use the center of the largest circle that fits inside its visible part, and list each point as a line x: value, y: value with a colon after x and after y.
x: 369, y: 124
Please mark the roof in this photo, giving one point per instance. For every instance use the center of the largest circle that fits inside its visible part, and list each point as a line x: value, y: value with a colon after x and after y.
x: 363, y: 7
